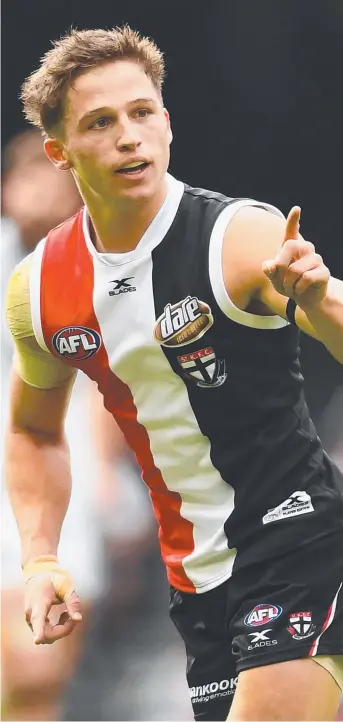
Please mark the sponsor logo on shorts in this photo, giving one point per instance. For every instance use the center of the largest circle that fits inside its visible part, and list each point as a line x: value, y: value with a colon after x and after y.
x: 76, y: 343
x: 183, y: 322
x: 301, y: 625
x: 260, y: 639
x: 203, y: 368
x: 298, y: 503
x: 262, y: 614
x: 213, y: 690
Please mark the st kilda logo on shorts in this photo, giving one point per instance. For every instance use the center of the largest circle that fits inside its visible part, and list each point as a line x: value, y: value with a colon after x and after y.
x: 262, y: 614
x: 301, y: 625
x: 183, y: 322
x: 76, y: 343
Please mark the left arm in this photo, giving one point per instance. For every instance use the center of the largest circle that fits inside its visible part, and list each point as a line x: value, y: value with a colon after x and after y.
x: 296, y: 272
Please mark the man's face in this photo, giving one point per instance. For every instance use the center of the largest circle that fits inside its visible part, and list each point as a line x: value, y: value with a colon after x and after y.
x: 114, y: 117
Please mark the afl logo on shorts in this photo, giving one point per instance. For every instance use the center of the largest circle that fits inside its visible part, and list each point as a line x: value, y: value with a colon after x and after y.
x: 262, y: 614
x: 183, y: 322
x: 76, y: 343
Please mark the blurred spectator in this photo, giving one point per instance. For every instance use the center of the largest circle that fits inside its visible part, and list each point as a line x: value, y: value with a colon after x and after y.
x: 330, y: 426
x: 330, y: 429
x: 35, y: 198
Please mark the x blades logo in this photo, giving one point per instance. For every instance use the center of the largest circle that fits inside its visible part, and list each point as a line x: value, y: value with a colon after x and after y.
x: 122, y: 286
x: 260, y: 639
x: 257, y: 636
x: 297, y: 503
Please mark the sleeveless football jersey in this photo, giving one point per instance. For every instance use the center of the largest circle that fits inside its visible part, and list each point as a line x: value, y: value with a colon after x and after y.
x: 208, y: 396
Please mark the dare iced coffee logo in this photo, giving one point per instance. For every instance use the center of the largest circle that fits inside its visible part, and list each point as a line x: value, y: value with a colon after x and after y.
x: 183, y: 322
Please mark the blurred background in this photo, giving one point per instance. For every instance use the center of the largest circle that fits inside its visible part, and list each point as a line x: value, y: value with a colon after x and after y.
x: 254, y: 89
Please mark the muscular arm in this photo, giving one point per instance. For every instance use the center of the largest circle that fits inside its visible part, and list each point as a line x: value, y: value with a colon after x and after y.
x: 36, y: 454
x: 255, y: 236
x: 37, y: 465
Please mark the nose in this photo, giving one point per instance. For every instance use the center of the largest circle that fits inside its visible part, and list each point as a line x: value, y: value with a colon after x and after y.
x: 129, y: 137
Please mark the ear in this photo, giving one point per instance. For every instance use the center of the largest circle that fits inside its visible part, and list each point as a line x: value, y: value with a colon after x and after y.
x: 167, y: 117
x: 56, y: 153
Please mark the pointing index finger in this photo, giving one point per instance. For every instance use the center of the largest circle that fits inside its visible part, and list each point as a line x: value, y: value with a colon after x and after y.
x: 292, y: 224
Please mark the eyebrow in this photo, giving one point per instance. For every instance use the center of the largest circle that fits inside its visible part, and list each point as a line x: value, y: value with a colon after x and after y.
x: 106, y: 108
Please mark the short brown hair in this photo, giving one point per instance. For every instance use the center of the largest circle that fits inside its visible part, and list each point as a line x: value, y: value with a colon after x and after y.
x: 43, y: 92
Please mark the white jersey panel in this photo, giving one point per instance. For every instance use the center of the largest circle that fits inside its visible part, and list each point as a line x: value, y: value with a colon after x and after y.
x: 178, y: 447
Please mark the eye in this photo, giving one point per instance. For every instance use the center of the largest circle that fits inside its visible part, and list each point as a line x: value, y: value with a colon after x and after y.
x: 143, y: 112
x: 102, y: 122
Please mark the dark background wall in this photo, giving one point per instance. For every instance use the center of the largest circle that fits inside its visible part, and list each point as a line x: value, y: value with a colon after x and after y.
x: 254, y: 88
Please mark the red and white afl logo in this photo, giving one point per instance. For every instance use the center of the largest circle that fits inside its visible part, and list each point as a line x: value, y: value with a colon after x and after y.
x: 262, y: 614
x: 76, y: 343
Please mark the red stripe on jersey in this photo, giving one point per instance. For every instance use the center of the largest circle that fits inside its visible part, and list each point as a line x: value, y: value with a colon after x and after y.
x: 67, y: 284
x: 326, y: 624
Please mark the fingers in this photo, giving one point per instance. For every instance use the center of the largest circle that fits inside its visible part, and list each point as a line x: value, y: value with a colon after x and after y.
x: 64, y: 627
x: 297, y: 271
x: 290, y: 247
x: 314, y: 278
x: 47, y: 585
x: 43, y: 630
x: 40, y: 598
x: 292, y: 224
x: 289, y: 252
x: 36, y: 618
x: 73, y: 604
x: 293, y: 280
x: 293, y: 274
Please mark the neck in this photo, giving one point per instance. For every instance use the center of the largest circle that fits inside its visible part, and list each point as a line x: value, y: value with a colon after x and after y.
x: 118, y: 228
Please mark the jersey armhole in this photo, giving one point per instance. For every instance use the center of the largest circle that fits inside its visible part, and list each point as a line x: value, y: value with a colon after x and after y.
x: 216, y: 270
x: 35, y: 294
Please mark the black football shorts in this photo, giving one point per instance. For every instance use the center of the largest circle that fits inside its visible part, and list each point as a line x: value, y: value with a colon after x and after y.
x: 273, y: 611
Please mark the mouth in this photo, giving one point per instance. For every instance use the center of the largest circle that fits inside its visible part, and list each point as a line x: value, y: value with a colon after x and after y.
x: 133, y: 169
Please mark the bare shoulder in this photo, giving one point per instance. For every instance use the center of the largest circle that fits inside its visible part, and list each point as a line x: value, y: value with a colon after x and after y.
x: 252, y: 236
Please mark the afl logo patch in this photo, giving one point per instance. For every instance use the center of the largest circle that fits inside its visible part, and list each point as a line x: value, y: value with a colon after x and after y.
x: 76, y: 343
x: 183, y: 322
x: 262, y: 614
